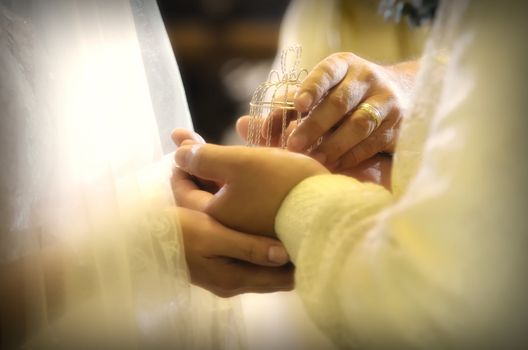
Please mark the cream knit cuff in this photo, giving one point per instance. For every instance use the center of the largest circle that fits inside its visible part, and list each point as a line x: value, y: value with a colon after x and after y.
x: 303, y: 205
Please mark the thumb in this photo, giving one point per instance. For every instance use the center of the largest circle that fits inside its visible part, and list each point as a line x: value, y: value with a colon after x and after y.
x: 255, y: 249
x: 210, y: 162
x: 180, y: 135
x: 242, y: 126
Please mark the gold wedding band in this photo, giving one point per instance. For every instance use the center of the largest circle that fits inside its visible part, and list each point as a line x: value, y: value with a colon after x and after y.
x: 372, y: 112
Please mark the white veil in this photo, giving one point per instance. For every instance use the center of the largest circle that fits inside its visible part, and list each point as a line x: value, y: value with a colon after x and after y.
x: 89, y: 238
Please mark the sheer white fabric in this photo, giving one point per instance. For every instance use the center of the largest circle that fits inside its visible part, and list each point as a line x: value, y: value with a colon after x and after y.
x: 90, y: 92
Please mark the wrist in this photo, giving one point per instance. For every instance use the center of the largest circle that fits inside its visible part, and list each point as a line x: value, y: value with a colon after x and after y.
x: 318, y: 203
x: 403, y: 75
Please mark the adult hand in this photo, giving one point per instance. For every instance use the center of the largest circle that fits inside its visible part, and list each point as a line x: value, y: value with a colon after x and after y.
x: 359, y: 102
x: 376, y: 169
x: 256, y: 180
x: 356, y: 106
x: 182, y: 137
x: 222, y: 260
x: 227, y: 262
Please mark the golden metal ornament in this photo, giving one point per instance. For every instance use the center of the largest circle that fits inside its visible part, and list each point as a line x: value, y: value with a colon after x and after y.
x: 274, y: 99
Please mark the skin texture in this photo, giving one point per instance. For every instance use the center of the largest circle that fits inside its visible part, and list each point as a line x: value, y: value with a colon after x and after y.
x: 227, y: 262
x: 329, y: 97
x: 244, y: 187
x: 254, y: 182
x: 222, y: 260
x: 376, y: 169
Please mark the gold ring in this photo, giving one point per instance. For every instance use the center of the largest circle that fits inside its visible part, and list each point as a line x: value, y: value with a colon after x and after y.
x: 373, y: 113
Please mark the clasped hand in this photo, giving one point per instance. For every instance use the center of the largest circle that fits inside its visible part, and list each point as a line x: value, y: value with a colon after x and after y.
x: 241, y: 188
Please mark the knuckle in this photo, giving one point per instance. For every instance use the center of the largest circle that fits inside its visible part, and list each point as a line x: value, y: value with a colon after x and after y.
x: 335, y: 149
x: 360, y: 153
x: 398, y: 110
x: 326, y: 76
x: 317, y: 87
x: 385, y: 138
x: 335, y: 55
x: 328, y: 71
x: 352, y: 158
x: 331, y: 67
x: 313, y: 128
x: 370, y: 75
x: 391, y: 145
x: 368, y: 148
x: 340, y: 101
x: 343, y: 56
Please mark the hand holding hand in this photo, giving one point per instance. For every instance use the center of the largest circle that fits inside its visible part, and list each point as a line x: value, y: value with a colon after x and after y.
x: 256, y: 180
x: 222, y: 260
x: 354, y: 104
x: 357, y: 104
x: 376, y: 169
x: 227, y: 262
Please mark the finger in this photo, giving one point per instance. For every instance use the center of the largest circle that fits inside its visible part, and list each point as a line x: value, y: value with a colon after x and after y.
x: 243, y: 125
x: 186, y: 192
x: 325, y: 75
x: 247, y: 278
x: 211, y: 162
x: 188, y: 142
x: 275, y: 122
x: 339, y: 102
x: 179, y: 135
x: 254, y: 249
x: 256, y: 279
x: 208, y: 186
x: 353, y: 130
x: 379, y: 141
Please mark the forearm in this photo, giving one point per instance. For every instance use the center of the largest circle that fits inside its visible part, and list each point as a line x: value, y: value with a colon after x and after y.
x: 372, y: 277
x: 367, y: 277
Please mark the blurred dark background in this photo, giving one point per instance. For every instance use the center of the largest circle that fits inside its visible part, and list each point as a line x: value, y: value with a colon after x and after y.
x: 216, y: 42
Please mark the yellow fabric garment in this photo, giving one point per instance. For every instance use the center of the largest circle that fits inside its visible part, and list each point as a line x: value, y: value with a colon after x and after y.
x: 323, y: 27
x: 437, y: 263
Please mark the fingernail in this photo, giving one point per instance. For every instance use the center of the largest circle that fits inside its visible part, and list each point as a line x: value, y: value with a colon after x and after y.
x: 304, y: 101
x: 297, y: 143
x: 278, y: 255
x: 320, y: 157
x: 184, y: 154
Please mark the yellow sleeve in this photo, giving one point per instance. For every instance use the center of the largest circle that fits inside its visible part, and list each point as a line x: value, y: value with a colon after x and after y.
x: 441, y: 264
